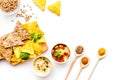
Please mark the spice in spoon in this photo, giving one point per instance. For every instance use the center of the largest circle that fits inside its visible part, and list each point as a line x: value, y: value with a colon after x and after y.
x: 101, y: 52
x: 84, y: 60
x: 84, y: 63
x: 79, y: 49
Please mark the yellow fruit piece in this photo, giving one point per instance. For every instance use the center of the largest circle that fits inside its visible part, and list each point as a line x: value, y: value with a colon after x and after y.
x: 27, y: 47
x: 55, y: 8
x: 37, y: 48
x: 40, y: 3
x: 14, y: 59
x: 33, y: 28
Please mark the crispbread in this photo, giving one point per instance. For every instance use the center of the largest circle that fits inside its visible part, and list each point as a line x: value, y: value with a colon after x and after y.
x: 22, y: 32
x: 10, y: 40
x: 5, y: 47
x: 6, y: 52
x: 1, y: 56
x: 19, y: 34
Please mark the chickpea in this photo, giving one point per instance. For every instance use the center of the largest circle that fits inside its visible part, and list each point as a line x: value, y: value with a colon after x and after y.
x: 56, y: 47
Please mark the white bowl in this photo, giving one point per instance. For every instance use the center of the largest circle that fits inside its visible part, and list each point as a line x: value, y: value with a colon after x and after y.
x: 42, y: 66
x: 64, y: 53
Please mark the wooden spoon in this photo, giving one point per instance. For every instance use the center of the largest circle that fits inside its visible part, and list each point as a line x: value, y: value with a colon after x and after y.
x: 78, y: 52
x: 101, y: 55
x: 84, y: 63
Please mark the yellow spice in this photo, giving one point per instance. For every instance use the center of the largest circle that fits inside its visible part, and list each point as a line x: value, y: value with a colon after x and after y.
x: 101, y: 51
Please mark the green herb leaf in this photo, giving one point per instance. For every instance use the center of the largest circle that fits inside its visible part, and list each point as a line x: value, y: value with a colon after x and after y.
x: 35, y: 40
x: 35, y: 37
x: 57, y: 53
x: 32, y: 36
x: 24, y: 55
x: 39, y: 36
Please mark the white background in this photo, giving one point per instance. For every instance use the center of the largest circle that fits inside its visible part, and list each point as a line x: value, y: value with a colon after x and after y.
x: 90, y: 23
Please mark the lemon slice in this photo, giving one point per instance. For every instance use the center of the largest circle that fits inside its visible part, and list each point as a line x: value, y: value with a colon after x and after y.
x: 40, y: 3
x: 55, y: 8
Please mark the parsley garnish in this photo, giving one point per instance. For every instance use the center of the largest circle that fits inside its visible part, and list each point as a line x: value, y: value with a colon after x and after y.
x: 57, y: 53
x: 24, y: 55
x: 39, y: 36
x: 35, y: 37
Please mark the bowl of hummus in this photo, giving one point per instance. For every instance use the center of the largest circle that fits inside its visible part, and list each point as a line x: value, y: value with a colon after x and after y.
x: 42, y: 66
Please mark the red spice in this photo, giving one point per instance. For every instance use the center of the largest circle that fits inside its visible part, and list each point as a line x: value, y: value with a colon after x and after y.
x: 84, y: 60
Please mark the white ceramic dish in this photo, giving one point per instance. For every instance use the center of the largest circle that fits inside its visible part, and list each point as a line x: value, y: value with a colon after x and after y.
x: 64, y: 53
x: 12, y: 12
x: 42, y: 66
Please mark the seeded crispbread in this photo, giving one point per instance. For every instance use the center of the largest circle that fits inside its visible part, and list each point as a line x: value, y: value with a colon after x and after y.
x: 22, y: 32
x: 10, y: 40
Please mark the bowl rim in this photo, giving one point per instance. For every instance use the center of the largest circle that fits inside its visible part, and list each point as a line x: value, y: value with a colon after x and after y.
x: 37, y: 73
